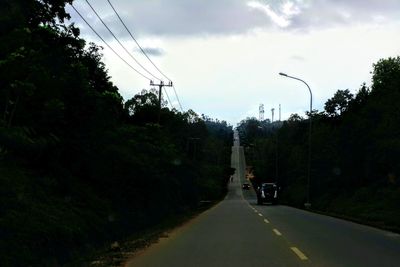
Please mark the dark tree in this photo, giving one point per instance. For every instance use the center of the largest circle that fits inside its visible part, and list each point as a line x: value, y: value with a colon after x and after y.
x: 338, y: 103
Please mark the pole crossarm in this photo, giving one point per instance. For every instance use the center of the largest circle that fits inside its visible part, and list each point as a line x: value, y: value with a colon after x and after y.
x: 160, y: 86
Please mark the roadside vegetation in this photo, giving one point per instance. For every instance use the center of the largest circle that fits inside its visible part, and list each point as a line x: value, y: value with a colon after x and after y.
x: 355, y: 167
x: 79, y: 166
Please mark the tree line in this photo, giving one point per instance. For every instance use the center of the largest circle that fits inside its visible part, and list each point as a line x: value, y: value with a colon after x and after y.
x: 79, y: 166
x: 355, y: 151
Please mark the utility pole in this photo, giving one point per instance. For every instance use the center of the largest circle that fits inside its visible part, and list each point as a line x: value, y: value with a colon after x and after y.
x: 160, y: 86
x: 277, y: 156
x: 272, y: 110
x: 279, y: 112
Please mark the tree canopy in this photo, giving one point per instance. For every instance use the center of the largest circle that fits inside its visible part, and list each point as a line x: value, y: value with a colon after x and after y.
x: 79, y: 165
x: 339, y: 103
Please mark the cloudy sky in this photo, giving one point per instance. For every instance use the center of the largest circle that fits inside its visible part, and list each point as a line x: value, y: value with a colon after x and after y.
x: 224, y: 56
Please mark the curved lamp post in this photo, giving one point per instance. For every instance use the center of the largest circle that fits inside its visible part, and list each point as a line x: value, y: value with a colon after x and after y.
x: 307, y: 204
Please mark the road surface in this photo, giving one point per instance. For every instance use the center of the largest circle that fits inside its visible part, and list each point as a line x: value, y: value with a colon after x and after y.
x: 237, y: 232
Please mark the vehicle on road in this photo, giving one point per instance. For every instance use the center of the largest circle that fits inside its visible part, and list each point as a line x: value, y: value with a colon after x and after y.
x: 246, y: 186
x: 267, y: 193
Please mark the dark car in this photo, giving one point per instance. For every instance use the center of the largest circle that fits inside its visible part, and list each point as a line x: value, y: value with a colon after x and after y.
x: 246, y: 186
x: 267, y: 193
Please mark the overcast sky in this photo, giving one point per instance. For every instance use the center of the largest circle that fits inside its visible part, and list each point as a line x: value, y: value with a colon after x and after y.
x: 224, y: 56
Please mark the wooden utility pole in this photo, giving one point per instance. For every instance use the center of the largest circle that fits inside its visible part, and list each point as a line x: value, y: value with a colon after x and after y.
x: 160, y: 86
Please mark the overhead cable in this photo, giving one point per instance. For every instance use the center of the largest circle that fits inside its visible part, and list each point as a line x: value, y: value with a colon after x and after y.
x: 144, y: 52
x: 169, y: 100
x: 115, y: 37
x: 177, y: 98
x: 137, y: 43
x: 104, y: 41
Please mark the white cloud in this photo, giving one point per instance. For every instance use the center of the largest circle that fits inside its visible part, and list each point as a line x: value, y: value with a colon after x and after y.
x: 280, y: 20
x: 152, y: 51
x: 290, y: 9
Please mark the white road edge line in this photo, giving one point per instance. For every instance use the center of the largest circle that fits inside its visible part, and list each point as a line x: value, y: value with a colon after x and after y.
x: 299, y: 253
x: 266, y: 221
x: 277, y: 232
x: 260, y: 215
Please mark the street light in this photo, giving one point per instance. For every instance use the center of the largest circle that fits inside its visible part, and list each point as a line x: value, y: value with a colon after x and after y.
x: 307, y: 204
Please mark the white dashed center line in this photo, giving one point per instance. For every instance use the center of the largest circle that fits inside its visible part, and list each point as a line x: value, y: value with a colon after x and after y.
x: 277, y: 232
x: 299, y: 254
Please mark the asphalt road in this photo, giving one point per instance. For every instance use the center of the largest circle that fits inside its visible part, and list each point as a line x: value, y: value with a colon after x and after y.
x: 237, y: 232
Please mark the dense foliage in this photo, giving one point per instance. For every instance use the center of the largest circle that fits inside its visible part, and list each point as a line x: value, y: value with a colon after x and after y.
x: 78, y: 166
x: 355, y: 163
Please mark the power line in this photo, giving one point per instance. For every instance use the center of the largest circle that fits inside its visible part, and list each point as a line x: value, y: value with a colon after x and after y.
x: 115, y: 37
x: 177, y: 98
x: 137, y: 43
x: 169, y: 100
x: 144, y: 53
x: 101, y: 38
